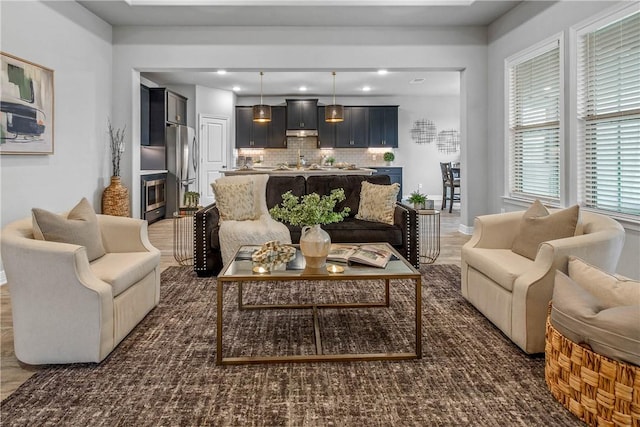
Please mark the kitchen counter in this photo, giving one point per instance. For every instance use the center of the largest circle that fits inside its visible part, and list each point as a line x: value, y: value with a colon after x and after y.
x: 306, y: 172
x: 152, y: 172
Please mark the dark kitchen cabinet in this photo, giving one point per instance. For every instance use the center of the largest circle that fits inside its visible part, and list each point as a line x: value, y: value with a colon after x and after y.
x: 278, y: 128
x: 250, y: 134
x: 302, y: 114
x: 353, y: 131
x: 395, y: 173
x: 165, y: 108
x: 383, y: 126
x: 327, y: 132
x: 144, y: 115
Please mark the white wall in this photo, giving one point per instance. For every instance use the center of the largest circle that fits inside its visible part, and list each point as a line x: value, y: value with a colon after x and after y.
x: 271, y: 49
x: 67, y: 38
x: 510, y: 35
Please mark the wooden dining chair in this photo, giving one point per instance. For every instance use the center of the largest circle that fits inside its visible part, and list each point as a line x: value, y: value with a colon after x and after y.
x: 449, y: 185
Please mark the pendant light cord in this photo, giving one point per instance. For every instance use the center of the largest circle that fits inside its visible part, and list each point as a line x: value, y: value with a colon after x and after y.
x: 334, y: 87
x: 261, y: 73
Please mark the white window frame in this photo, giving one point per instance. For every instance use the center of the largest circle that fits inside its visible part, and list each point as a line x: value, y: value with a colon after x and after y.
x: 576, y: 162
x: 557, y: 40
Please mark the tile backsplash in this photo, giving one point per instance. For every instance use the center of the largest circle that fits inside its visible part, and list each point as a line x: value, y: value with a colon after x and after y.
x: 312, y: 154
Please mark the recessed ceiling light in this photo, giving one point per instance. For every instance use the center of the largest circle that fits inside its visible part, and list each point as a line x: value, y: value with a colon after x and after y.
x: 222, y: 72
x: 417, y: 81
x: 382, y: 72
x: 366, y: 89
x: 302, y: 88
x: 236, y: 88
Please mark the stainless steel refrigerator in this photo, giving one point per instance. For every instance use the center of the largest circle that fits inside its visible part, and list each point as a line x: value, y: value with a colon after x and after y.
x: 182, y: 165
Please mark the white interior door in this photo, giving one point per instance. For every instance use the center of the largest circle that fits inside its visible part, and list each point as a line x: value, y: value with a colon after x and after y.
x: 213, y: 148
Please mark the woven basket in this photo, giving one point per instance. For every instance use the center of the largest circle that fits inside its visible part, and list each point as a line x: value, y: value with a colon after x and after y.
x: 115, y: 199
x: 598, y: 390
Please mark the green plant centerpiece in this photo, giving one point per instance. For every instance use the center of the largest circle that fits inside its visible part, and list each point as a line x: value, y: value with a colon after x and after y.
x: 417, y: 198
x: 309, y: 212
x: 389, y: 157
x: 420, y: 200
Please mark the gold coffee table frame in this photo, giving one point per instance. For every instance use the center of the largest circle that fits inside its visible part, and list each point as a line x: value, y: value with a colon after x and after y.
x: 240, y: 271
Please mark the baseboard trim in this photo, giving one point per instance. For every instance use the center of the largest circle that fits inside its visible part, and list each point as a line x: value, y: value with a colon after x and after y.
x: 465, y: 229
x: 3, y: 278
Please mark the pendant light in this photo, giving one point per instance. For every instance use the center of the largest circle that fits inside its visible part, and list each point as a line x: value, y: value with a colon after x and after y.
x: 334, y: 113
x: 261, y: 112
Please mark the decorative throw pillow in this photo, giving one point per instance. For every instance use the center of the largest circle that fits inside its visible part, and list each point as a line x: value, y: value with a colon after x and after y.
x: 235, y: 201
x: 79, y: 227
x: 377, y: 202
x: 612, y: 291
x: 538, y: 226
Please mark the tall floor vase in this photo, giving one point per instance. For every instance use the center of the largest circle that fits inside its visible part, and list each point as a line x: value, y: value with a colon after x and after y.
x: 115, y: 198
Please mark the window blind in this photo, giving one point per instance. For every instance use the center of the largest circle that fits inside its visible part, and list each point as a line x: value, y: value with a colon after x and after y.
x: 609, y: 116
x: 534, y: 125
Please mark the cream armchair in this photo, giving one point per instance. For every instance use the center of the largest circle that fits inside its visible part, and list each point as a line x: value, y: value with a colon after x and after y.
x: 67, y: 310
x: 512, y: 291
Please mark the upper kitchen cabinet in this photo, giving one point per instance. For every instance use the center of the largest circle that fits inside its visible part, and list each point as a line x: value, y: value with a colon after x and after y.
x: 327, y: 132
x: 383, y: 126
x: 302, y: 114
x: 144, y: 115
x: 250, y: 134
x: 165, y: 108
x: 353, y: 131
x: 278, y: 128
x: 176, y: 109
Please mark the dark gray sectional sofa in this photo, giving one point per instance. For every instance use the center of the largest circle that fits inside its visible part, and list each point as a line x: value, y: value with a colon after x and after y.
x: 402, y: 235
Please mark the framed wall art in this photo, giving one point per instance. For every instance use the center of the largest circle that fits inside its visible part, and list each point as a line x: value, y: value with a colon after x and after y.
x: 26, y: 107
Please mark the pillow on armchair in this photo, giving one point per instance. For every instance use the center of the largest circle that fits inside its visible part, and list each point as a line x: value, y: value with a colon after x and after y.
x: 78, y: 227
x: 538, y: 226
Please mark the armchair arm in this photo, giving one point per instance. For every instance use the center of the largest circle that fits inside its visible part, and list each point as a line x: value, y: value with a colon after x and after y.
x: 495, y: 231
x: 61, y: 312
x: 533, y: 290
x: 207, y: 258
x: 121, y: 234
x: 407, y: 218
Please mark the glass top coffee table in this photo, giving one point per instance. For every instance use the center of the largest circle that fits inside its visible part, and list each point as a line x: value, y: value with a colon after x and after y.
x: 241, y: 270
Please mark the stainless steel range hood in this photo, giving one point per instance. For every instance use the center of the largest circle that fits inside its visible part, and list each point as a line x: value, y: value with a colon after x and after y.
x: 302, y: 133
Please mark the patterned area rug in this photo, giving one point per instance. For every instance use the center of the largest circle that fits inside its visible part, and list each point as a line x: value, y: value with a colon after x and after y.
x: 164, y: 372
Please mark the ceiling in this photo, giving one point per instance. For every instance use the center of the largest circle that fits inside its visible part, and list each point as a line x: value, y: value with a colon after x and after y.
x: 307, y: 13
x: 319, y: 83
x: 349, y: 13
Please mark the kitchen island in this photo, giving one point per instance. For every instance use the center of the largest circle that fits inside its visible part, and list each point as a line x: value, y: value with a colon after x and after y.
x: 306, y: 172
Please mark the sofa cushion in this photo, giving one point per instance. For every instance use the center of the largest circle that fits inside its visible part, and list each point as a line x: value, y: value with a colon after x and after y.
x: 378, y: 202
x: 352, y: 185
x: 610, y: 290
x: 79, y: 227
x: 278, y: 185
x: 582, y: 318
x: 123, y: 269
x: 501, y: 265
x: 538, y: 226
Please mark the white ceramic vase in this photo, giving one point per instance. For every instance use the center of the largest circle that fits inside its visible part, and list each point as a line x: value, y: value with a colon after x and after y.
x: 315, y: 244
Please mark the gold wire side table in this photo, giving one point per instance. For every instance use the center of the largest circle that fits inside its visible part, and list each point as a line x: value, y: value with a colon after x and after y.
x: 429, y: 223
x: 183, y: 236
